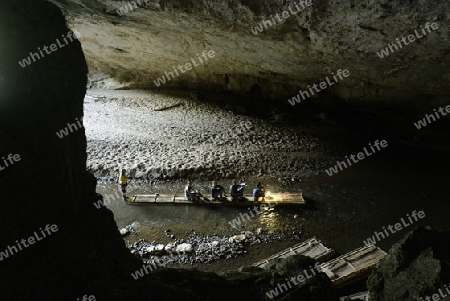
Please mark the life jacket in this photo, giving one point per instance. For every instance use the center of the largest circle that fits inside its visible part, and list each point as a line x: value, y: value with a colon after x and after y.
x: 123, y: 179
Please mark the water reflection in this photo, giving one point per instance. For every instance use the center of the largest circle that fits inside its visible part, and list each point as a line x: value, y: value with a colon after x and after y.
x: 271, y: 219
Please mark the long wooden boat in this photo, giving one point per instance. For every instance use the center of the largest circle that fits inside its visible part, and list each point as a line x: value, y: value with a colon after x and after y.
x: 312, y: 248
x: 353, y: 266
x: 271, y: 199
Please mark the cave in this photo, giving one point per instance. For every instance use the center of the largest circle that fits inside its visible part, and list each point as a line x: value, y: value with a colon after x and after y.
x: 342, y: 102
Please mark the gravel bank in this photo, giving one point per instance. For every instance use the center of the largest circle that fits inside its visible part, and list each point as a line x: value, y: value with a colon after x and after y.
x: 156, y: 136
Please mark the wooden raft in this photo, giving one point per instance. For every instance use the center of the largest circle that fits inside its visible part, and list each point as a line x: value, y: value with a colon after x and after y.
x: 312, y: 248
x: 352, y: 266
x: 271, y: 198
x: 361, y: 296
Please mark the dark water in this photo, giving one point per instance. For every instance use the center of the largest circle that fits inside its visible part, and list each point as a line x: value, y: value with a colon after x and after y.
x: 348, y: 207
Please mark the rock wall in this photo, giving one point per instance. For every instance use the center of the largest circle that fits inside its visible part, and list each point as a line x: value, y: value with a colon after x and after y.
x: 48, y: 183
x: 130, y: 46
x: 37, y: 101
x: 416, y: 267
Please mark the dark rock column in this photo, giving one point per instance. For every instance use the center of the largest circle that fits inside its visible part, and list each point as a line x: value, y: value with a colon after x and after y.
x: 37, y: 101
x: 46, y: 182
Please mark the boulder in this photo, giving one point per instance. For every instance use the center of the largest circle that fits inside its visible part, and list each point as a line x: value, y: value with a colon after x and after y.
x: 150, y: 249
x: 415, y: 267
x: 159, y: 247
x: 291, y: 264
x: 237, y: 238
x: 170, y: 247
x: 184, y: 248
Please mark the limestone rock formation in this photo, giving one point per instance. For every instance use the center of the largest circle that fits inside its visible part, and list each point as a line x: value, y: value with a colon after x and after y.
x: 131, y: 46
x: 416, y: 267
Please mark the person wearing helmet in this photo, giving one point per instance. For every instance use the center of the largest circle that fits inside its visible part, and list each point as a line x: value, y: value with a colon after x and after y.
x: 217, y: 191
x: 236, y: 191
x: 258, y: 192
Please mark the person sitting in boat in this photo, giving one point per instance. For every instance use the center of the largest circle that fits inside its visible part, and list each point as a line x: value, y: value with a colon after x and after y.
x: 236, y: 191
x: 123, y: 183
x: 258, y: 192
x: 190, y: 194
x: 217, y: 191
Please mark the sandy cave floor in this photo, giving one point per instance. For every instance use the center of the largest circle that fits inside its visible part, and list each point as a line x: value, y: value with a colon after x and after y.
x: 192, y: 139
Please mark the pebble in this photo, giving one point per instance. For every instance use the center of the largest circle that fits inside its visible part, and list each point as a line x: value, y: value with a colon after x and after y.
x: 237, y: 238
x: 196, y: 248
x: 169, y: 247
x: 184, y: 248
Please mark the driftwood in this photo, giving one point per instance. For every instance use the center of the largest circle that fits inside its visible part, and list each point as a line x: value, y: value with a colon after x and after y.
x: 169, y: 107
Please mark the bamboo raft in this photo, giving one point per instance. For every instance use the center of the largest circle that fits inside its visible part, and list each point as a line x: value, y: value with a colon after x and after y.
x: 344, y: 270
x: 361, y: 296
x: 312, y: 248
x: 352, y: 266
x: 270, y: 200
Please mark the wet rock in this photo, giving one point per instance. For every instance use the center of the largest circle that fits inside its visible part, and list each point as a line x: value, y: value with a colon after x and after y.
x: 237, y: 238
x: 197, y: 248
x: 291, y: 265
x: 159, y: 247
x: 169, y: 247
x: 185, y: 248
x: 417, y: 266
x: 306, y: 286
x: 248, y: 234
x: 150, y: 249
x: 131, y: 227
